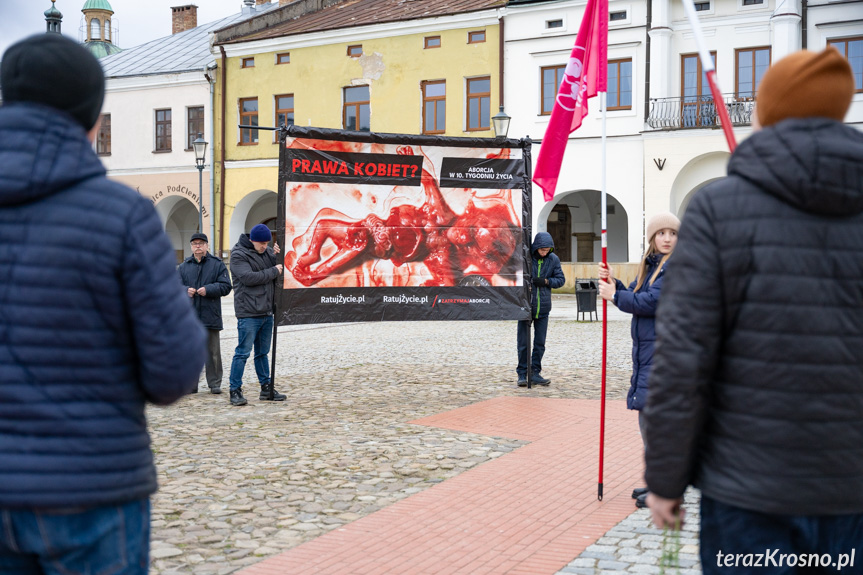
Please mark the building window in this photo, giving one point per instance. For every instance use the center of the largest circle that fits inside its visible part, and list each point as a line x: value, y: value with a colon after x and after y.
x: 552, y: 76
x: 434, y: 107
x: 752, y: 2
x: 355, y: 51
x: 476, y: 37
x: 357, y: 111
x: 617, y: 16
x: 431, y: 42
x: 697, y: 107
x: 103, y: 137
x: 550, y: 24
x: 95, y: 30
x: 283, y: 58
x: 702, y: 6
x: 194, y: 124
x: 478, y: 103
x: 751, y: 65
x: 285, y: 110
x: 852, y: 49
x: 163, y: 130
x: 619, y: 95
x: 248, y: 117
x: 248, y: 63
x: 108, y: 30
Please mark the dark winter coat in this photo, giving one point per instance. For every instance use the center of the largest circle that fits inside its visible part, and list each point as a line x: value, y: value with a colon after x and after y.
x: 548, y: 268
x: 756, y: 393
x: 254, y: 278
x: 209, y: 273
x: 642, y: 305
x: 93, y: 321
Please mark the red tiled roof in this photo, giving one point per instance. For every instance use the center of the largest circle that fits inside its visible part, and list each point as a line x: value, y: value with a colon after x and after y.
x: 351, y: 13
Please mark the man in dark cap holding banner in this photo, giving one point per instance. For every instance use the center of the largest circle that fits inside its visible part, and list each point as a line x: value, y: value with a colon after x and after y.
x: 94, y: 323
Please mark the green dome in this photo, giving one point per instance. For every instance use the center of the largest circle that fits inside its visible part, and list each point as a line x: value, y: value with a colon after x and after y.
x: 52, y: 12
x: 97, y: 5
x: 102, y: 49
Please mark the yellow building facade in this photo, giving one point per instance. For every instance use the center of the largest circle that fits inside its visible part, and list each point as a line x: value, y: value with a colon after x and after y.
x: 436, y: 76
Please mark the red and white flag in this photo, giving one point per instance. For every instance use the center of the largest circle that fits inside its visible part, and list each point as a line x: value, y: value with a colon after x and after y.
x: 586, y: 74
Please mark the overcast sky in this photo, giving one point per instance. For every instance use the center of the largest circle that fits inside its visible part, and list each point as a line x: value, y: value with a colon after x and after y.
x: 138, y: 21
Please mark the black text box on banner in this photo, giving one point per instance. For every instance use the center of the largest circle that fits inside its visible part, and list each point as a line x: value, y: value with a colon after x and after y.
x: 481, y: 173
x: 311, y: 165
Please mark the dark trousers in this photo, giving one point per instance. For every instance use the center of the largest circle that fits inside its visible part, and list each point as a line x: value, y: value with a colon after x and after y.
x: 213, y: 367
x: 540, y: 328
x: 733, y: 538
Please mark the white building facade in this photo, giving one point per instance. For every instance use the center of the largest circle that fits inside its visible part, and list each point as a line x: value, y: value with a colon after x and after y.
x: 664, y: 141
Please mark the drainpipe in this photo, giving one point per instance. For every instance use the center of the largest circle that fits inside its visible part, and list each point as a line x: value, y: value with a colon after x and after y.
x: 804, y: 9
x: 211, y: 81
x: 647, y: 60
x: 500, y: 58
x: 222, y: 155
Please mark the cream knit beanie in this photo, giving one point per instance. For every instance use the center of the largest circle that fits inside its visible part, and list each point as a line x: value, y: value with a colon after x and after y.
x: 661, y: 221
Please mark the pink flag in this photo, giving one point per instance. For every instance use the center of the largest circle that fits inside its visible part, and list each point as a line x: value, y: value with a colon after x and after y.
x: 586, y: 74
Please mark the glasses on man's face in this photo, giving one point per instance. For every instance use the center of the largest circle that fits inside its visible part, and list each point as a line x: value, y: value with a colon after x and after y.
x: 198, y: 244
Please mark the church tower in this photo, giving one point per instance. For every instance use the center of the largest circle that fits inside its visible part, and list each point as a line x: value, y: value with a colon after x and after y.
x: 98, y: 34
x: 53, y: 19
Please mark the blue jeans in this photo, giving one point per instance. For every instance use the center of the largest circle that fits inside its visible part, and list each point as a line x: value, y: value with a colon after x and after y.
x: 733, y: 531
x: 540, y: 328
x: 110, y: 540
x: 257, y: 332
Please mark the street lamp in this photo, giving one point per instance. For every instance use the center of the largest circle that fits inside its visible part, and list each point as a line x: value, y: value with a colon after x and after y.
x: 501, y: 124
x: 200, y: 145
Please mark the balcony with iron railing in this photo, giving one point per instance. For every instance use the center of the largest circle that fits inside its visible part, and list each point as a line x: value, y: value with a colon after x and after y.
x: 690, y: 112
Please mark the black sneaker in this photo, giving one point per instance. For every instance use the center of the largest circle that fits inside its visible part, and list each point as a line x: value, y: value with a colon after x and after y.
x: 641, y: 501
x: 237, y: 397
x: 638, y: 492
x: 215, y: 390
x: 522, y: 382
x: 539, y: 380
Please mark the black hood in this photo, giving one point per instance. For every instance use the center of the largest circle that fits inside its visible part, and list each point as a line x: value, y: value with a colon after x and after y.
x: 813, y: 164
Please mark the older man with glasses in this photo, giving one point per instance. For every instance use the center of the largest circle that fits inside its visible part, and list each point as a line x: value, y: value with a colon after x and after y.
x: 207, y: 281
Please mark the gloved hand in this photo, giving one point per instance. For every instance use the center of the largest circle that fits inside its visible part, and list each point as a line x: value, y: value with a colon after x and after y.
x: 540, y: 282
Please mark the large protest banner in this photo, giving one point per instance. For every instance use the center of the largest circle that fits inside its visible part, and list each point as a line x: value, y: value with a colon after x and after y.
x: 383, y: 227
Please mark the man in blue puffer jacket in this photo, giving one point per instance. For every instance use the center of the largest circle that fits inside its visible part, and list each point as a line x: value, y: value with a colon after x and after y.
x: 546, y: 274
x: 93, y: 324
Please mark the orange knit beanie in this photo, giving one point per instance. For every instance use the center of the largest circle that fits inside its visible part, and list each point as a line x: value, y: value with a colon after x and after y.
x: 805, y: 84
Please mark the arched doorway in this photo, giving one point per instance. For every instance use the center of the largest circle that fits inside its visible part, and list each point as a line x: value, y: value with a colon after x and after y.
x: 180, y: 219
x: 575, y: 224
x: 696, y: 174
x: 256, y: 207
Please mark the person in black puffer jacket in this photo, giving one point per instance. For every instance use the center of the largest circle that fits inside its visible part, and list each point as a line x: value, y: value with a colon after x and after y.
x: 207, y: 282
x: 546, y: 274
x: 93, y: 325
x: 641, y: 300
x: 756, y: 392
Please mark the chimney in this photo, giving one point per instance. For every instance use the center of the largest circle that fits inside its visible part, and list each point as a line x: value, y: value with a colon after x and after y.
x: 284, y: 2
x: 183, y: 18
x: 259, y: 2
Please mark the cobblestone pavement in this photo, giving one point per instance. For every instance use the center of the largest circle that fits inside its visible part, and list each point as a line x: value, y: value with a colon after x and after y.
x: 238, y: 484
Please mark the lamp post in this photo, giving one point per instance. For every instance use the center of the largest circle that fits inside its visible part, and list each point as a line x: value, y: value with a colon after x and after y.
x: 200, y: 145
x: 501, y: 124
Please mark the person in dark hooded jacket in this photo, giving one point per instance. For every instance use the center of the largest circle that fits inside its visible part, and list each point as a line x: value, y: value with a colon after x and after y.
x: 756, y: 392
x: 207, y: 282
x: 546, y: 274
x: 255, y: 271
x: 641, y: 300
x: 93, y: 325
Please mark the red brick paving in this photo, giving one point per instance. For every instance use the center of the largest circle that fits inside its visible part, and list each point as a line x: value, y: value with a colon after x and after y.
x: 529, y: 512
